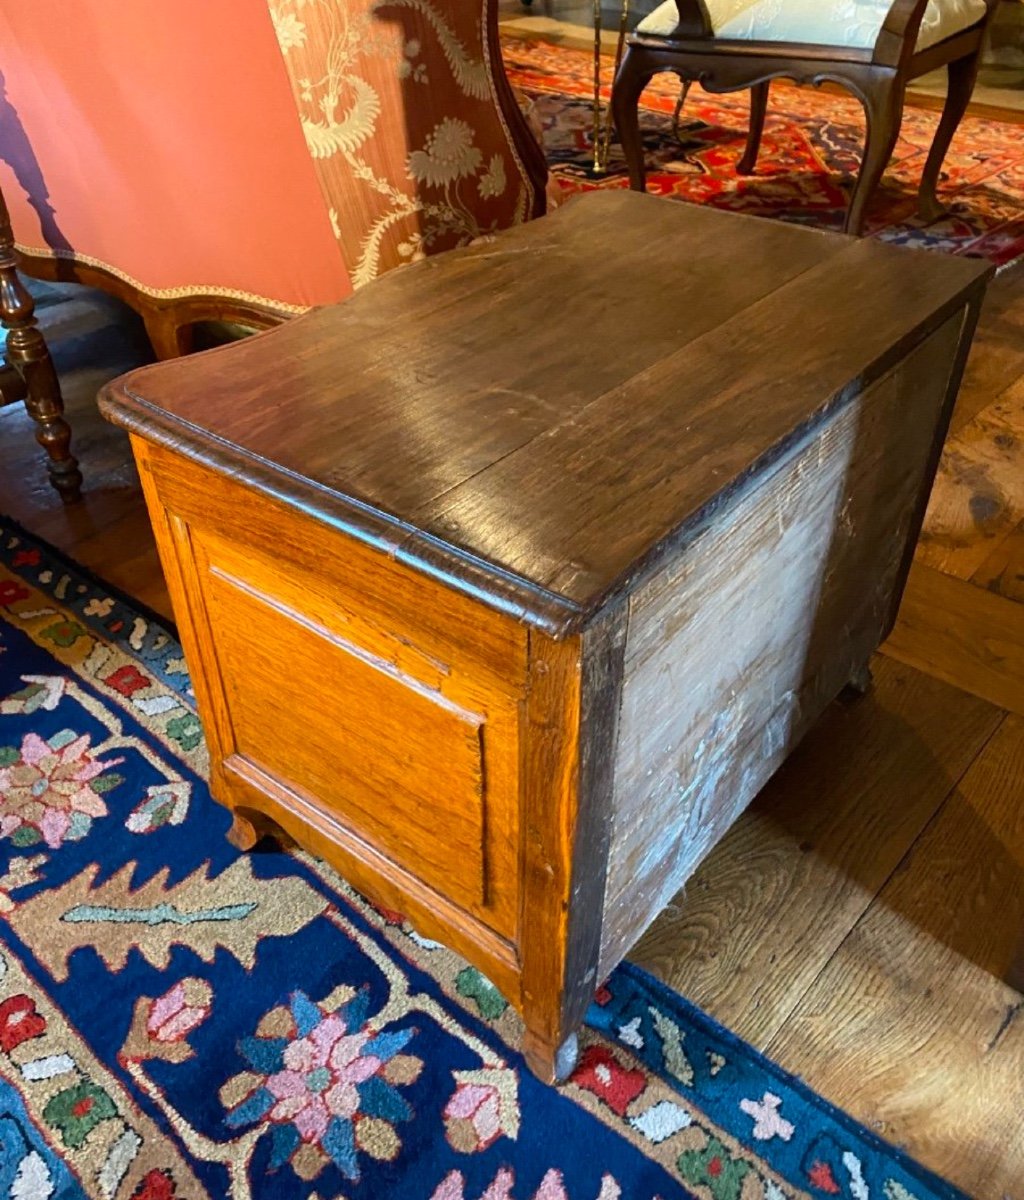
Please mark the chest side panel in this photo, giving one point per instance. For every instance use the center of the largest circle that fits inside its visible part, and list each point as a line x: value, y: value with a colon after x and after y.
x: 369, y: 710
x: 736, y: 646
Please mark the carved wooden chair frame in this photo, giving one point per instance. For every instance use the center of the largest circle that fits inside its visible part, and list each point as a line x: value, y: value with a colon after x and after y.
x: 878, y: 77
x: 27, y: 372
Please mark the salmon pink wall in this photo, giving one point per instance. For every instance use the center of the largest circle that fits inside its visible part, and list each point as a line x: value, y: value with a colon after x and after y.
x: 164, y: 137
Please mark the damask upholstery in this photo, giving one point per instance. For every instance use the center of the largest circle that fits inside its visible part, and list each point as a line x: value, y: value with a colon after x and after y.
x: 283, y: 151
x: 442, y: 174
x: 848, y: 23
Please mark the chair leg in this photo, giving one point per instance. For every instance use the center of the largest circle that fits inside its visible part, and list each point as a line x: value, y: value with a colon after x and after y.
x: 883, y: 108
x: 634, y: 75
x: 758, y: 111
x: 29, y: 355
x: 962, y: 75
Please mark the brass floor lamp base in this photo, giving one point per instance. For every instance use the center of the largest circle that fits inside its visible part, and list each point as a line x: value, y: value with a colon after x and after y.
x: 602, y: 123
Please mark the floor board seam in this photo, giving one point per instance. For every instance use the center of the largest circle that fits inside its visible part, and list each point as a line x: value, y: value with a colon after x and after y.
x: 782, y: 1028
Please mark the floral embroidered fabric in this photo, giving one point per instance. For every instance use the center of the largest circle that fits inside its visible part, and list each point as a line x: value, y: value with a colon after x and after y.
x: 403, y: 114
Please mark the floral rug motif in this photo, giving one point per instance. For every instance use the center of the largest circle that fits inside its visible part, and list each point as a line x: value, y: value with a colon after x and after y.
x: 809, y: 156
x: 179, y: 1021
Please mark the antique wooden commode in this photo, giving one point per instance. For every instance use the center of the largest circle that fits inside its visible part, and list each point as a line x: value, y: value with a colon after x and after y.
x: 506, y: 584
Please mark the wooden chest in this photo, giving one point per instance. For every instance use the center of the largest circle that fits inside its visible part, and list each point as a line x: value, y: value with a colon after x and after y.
x: 508, y: 583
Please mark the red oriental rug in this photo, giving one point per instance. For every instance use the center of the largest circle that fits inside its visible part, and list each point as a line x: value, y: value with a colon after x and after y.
x: 809, y: 156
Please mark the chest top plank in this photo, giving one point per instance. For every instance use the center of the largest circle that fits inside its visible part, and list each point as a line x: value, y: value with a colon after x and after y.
x: 454, y: 415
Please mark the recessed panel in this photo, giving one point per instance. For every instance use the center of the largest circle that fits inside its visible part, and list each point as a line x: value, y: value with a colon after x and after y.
x: 393, y: 758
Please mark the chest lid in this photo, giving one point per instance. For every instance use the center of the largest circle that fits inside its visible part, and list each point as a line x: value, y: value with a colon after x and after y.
x: 537, y: 417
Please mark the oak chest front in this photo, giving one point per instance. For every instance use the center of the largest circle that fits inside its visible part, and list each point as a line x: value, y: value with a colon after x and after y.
x: 508, y: 583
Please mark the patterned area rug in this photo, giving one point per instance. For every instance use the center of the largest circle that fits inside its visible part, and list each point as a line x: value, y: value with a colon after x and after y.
x: 179, y: 1021
x: 809, y: 156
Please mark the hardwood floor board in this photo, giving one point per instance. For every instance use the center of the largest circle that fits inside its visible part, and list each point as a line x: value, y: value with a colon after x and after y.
x: 108, y: 532
x: 978, y: 498
x: 997, y: 359
x: 764, y: 913
x: 1003, y: 571
x: 911, y: 1027
x: 963, y: 634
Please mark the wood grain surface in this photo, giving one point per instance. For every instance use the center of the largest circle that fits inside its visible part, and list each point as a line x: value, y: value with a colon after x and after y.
x: 767, y: 491
x: 468, y: 430
x: 765, y: 912
x: 814, y: 844
x: 997, y: 360
x: 978, y: 499
x: 912, y: 1014
x: 734, y: 651
x: 1002, y: 571
x: 439, y: 774
x: 963, y: 634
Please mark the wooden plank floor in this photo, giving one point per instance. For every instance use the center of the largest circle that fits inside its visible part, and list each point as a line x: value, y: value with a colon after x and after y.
x: 864, y: 922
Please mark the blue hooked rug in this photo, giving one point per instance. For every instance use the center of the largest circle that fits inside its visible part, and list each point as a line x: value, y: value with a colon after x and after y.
x: 181, y: 1021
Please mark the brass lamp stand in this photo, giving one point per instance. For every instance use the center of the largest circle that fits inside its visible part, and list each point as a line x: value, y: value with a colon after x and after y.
x: 602, y: 125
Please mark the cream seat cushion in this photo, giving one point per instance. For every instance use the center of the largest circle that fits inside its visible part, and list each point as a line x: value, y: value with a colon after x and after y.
x: 849, y: 23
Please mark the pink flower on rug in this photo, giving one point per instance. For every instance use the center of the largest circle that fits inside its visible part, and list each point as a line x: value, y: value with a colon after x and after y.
x: 479, y: 1109
x: 453, y: 1187
x: 483, y: 1108
x: 180, y: 1010
x: 160, y: 1027
x: 46, y: 790
x: 325, y: 1085
x: 552, y: 1187
x: 320, y: 1077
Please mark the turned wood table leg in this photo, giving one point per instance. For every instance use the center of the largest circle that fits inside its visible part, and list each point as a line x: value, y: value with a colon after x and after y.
x: 29, y: 356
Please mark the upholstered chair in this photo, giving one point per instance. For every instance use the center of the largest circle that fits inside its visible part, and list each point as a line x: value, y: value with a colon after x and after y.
x: 872, y: 47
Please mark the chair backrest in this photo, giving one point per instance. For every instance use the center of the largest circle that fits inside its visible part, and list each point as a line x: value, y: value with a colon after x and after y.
x: 276, y: 151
